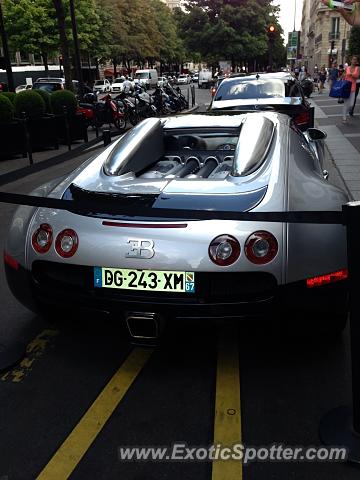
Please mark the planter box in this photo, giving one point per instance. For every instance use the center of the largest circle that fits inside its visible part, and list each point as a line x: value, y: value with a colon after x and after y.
x: 42, y: 132
x: 77, y: 128
x: 12, y: 139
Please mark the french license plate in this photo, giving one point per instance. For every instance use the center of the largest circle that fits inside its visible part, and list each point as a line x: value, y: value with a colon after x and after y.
x: 148, y: 280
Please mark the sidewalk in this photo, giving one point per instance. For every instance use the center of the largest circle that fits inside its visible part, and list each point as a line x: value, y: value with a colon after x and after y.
x: 343, y: 141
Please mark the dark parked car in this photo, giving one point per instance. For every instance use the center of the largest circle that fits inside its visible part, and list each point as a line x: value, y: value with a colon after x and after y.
x: 51, y: 85
x: 279, y: 92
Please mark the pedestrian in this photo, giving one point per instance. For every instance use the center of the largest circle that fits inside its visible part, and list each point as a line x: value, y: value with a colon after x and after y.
x: 333, y: 74
x: 322, y: 78
x: 127, y: 85
x: 352, y: 73
x: 351, y: 113
x: 302, y: 74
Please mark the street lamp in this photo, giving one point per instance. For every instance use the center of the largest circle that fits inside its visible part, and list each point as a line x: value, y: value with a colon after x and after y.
x: 6, y: 59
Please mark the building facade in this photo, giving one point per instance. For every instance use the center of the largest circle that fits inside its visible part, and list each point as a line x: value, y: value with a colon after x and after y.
x: 172, y: 3
x: 324, y: 36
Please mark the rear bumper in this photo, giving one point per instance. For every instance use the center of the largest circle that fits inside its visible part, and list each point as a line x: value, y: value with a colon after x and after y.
x: 219, y: 295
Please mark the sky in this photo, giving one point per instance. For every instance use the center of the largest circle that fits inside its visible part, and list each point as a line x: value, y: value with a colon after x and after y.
x: 287, y: 14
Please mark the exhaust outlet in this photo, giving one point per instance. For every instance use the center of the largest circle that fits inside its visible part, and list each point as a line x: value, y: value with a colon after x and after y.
x: 144, y: 325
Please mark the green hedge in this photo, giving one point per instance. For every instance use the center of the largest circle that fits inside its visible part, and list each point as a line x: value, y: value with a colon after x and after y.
x: 46, y: 97
x: 10, y: 95
x: 29, y: 102
x: 61, y: 99
x: 6, y: 109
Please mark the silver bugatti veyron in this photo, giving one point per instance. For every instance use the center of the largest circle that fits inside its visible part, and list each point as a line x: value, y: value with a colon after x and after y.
x: 147, y: 266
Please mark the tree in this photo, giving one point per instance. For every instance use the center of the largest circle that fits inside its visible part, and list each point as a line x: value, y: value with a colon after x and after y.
x: 171, y: 49
x: 140, y: 31
x: 64, y: 43
x: 31, y: 27
x: 234, y: 30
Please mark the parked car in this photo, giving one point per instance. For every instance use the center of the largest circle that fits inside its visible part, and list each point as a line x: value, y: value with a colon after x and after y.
x: 102, y: 86
x: 49, y: 85
x: 21, y: 88
x: 219, y: 80
x: 146, y: 78
x: 118, y: 84
x: 279, y: 92
x: 205, y: 79
x: 53, y: 84
x: 162, y: 82
x: 195, y: 78
x: 183, y: 79
x: 136, y: 244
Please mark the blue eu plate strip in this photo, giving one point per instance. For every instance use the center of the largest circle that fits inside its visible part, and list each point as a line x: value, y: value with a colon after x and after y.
x: 97, y: 277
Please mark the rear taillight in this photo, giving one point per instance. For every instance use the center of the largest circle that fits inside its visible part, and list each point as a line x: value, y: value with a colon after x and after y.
x: 326, y: 279
x: 261, y: 247
x: 302, y: 118
x: 66, y: 243
x: 9, y: 260
x: 42, y: 238
x: 224, y: 250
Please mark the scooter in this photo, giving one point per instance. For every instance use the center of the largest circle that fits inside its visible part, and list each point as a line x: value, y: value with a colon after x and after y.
x: 104, y: 111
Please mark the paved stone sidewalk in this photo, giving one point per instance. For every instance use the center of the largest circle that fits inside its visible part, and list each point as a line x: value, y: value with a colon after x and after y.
x: 343, y: 141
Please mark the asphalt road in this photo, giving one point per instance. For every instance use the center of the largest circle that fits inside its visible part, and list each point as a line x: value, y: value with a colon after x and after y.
x: 82, y: 391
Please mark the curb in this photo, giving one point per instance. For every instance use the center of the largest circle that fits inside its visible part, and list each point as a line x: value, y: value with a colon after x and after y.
x: 192, y: 109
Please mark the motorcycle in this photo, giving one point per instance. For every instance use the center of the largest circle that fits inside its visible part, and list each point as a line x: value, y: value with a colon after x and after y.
x: 163, y: 102
x: 128, y: 106
x: 101, y: 112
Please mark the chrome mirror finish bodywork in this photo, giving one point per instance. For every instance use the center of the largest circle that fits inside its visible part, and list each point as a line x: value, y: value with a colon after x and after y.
x: 253, y: 146
x: 140, y: 146
x: 316, y: 139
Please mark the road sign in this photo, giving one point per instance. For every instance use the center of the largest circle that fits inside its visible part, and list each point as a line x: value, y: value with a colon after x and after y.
x: 293, y: 45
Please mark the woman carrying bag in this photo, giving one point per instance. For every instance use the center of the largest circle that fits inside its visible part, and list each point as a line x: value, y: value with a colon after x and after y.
x: 351, y: 74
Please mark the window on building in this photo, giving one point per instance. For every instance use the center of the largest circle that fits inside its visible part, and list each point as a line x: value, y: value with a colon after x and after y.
x: 335, y: 25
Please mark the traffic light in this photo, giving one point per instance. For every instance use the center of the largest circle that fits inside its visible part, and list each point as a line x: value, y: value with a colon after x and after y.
x: 2, y: 63
x: 271, y: 31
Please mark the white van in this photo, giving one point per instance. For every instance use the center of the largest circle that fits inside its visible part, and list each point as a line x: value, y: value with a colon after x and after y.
x: 147, y: 78
x: 205, y: 79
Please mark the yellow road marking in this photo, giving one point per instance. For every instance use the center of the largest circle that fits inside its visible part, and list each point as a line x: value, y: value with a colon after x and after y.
x: 34, y: 350
x: 80, y: 439
x: 227, y: 427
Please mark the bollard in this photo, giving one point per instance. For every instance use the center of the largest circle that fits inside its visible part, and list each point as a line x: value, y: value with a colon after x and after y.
x: 67, y: 128
x: 106, y: 137
x: 27, y: 138
x: 342, y: 425
x: 192, y: 95
x: 188, y: 97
